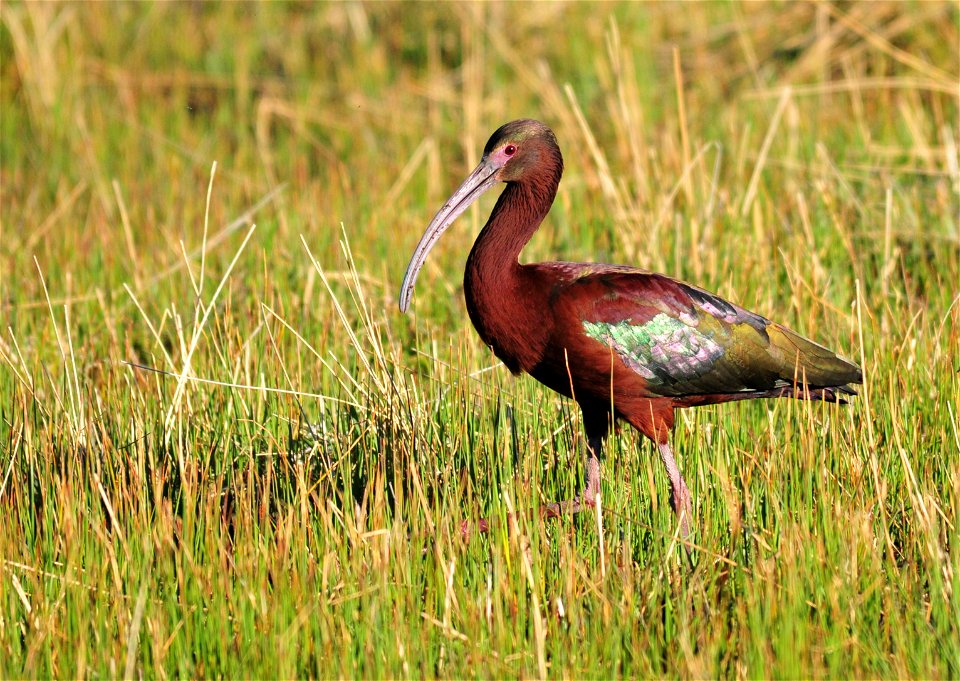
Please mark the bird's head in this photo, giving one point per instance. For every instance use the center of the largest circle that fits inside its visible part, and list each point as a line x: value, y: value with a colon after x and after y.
x: 518, y: 152
x: 519, y: 147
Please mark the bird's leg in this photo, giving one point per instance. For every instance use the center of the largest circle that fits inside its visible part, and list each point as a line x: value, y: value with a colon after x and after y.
x: 680, y: 495
x: 596, y: 423
x: 587, y: 498
x: 592, y: 487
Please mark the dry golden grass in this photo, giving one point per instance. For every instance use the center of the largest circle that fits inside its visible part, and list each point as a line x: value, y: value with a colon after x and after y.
x: 285, y: 500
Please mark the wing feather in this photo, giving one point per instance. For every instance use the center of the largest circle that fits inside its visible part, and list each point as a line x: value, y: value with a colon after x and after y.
x: 685, y: 341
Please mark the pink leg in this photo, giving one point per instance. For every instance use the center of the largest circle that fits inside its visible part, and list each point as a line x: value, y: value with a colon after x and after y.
x: 596, y: 424
x: 587, y: 498
x: 680, y: 500
x: 592, y: 488
x: 583, y: 501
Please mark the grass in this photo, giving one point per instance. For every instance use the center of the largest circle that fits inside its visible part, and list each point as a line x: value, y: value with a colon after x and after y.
x: 799, y: 159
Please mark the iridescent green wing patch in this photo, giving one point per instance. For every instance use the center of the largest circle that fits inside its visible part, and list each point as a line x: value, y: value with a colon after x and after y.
x: 663, y: 350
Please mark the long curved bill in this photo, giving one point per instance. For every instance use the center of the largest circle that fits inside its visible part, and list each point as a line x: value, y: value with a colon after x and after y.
x: 480, y: 180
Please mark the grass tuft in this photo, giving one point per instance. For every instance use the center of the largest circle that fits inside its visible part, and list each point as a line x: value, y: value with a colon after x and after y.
x: 282, y: 494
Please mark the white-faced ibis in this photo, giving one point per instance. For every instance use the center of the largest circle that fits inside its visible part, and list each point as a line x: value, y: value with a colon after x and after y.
x: 623, y: 342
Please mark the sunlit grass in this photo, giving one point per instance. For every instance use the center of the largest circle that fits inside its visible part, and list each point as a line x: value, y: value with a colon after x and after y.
x: 300, y: 516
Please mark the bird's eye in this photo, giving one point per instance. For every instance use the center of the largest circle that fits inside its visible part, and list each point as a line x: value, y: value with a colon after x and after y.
x: 510, y: 149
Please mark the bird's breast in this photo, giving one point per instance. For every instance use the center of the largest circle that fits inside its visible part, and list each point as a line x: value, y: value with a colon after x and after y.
x: 509, y: 317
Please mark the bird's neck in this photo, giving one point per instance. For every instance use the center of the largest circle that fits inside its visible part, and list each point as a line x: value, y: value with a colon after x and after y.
x: 502, y: 305
x: 513, y: 221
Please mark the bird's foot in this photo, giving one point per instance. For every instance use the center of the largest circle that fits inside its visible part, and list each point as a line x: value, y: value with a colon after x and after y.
x: 557, y: 509
x: 573, y: 506
x: 683, y: 509
x: 680, y: 498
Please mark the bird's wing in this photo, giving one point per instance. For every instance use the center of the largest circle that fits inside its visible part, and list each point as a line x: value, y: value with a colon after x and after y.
x: 683, y: 340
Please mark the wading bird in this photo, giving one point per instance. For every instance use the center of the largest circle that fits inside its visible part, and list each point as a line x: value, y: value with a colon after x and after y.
x: 623, y: 342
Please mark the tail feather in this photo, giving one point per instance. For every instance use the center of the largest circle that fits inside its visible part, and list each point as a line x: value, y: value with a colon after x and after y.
x: 829, y: 394
x: 815, y: 364
x: 835, y: 394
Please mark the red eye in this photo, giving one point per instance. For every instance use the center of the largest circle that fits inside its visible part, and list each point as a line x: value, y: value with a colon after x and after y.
x: 510, y: 149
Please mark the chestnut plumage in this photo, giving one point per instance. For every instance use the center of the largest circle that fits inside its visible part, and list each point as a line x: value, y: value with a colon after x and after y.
x: 623, y: 342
